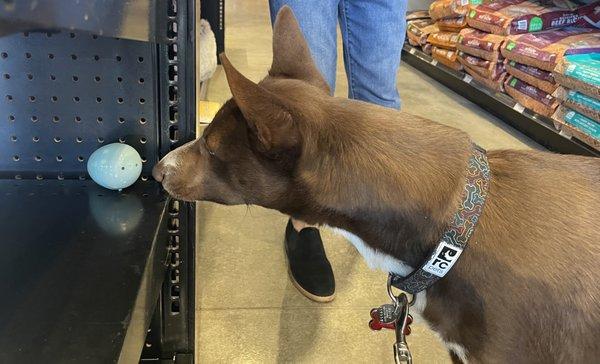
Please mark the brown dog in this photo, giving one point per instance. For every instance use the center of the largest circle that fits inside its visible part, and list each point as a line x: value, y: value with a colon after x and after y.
x: 525, y: 290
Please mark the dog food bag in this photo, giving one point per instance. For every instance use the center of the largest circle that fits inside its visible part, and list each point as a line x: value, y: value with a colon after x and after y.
x: 452, y: 24
x: 517, y: 16
x: 580, y: 72
x: 417, y: 15
x: 419, y: 30
x: 532, y: 75
x: 579, y: 102
x: 412, y: 42
x: 446, y: 40
x: 480, y: 44
x: 544, y: 50
x: 590, y: 15
x: 427, y: 48
x: 483, y: 67
x: 530, y: 96
x: 578, y: 125
x: 495, y: 84
x: 440, y: 9
x: 446, y: 57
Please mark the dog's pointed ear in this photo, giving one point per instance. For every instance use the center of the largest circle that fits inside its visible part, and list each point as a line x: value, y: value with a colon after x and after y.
x: 264, y: 112
x: 291, y: 55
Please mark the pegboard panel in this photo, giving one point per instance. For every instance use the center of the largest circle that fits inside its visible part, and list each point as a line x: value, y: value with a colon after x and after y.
x: 65, y: 94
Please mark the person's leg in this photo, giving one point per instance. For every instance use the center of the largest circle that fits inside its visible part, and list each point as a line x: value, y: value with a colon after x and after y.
x: 309, y: 267
x: 373, y: 33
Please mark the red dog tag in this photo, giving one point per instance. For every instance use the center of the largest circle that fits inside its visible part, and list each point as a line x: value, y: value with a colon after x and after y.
x: 378, y: 322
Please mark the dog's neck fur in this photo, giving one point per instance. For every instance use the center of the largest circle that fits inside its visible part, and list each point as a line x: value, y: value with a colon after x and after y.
x: 393, y: 182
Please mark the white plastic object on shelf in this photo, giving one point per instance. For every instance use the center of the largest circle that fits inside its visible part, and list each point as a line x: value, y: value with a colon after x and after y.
x: 207, y: 51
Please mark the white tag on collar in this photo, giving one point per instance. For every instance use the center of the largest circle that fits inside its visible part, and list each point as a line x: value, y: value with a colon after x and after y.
x: 443, y: 259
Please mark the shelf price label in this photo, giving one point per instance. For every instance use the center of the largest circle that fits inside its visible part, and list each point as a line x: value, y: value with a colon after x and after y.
x: 468, y: 78
x: 412, y: 50
x: 565, y: 134
x: 434, y: 62
x: 519, y: 108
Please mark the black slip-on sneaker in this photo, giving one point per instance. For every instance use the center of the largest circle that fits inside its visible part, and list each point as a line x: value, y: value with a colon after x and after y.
x: 309, y: 267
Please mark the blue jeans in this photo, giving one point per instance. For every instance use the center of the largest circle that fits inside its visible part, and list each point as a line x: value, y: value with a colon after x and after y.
x: 372, y: 32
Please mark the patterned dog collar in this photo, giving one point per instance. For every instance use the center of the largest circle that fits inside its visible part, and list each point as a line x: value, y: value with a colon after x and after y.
x: 460, y: 228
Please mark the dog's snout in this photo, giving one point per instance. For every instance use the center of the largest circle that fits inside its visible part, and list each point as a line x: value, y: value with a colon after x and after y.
x: 158, y: 172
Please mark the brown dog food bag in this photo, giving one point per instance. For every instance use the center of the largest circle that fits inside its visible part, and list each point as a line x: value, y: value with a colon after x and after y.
x: 417, y: 15
x: 530, y: 96
x: 446, y: 40
x: 480, y: 44
x: 517, y: 16
x: 419, y: 30
x: 578, y: 125
x: 440, y: 9
x: 545, y: 49
x: 412, y: 42
x: 452, y: 24
x: 483, y: 67
x: 579, y: 102
x: 532, y: 75
x: 495, y: 84
x: 446, y: 57
x: 580, y: 72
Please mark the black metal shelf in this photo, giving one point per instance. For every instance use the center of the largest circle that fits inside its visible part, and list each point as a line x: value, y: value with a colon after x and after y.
x: 80, y: 271
x: 77, y: 74
x: 143, y: 20
x: 537, y: 127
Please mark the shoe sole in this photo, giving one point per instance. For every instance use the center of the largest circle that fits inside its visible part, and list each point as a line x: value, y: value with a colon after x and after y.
x: 305, y: 293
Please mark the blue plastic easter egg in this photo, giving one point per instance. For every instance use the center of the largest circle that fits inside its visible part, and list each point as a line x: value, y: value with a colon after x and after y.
x: 115, y: 166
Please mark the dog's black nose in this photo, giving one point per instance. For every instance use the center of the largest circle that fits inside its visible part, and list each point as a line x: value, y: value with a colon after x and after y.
x: 158, y: 172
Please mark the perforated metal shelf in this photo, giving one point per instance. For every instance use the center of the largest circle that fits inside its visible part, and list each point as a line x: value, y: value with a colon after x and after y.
x: 63, y: 95
x: 80, y: 270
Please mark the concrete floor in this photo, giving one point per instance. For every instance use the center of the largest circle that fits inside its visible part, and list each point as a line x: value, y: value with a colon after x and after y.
x: 247, y: 309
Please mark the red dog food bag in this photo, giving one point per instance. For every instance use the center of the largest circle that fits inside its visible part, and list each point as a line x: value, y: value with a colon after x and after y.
x: 589, y: 15
x: 427, y: 48
x: 483, y: 67
x: 446, y: 40
x: 518, y: 16
x: 446, y: 57
x: 418, y: 31
x: 496, y: 84
x: 532, y: 75
x: 545, y: 49
x: 530, y: 96
x: 480, y: 44
x: 452, y: 24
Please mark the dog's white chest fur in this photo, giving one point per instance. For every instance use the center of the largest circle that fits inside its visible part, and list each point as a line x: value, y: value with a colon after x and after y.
x: 375, y: 259
x: 387, y: 263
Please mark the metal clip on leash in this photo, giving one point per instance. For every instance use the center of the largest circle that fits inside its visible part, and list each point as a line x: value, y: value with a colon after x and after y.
x: 401, y: 352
